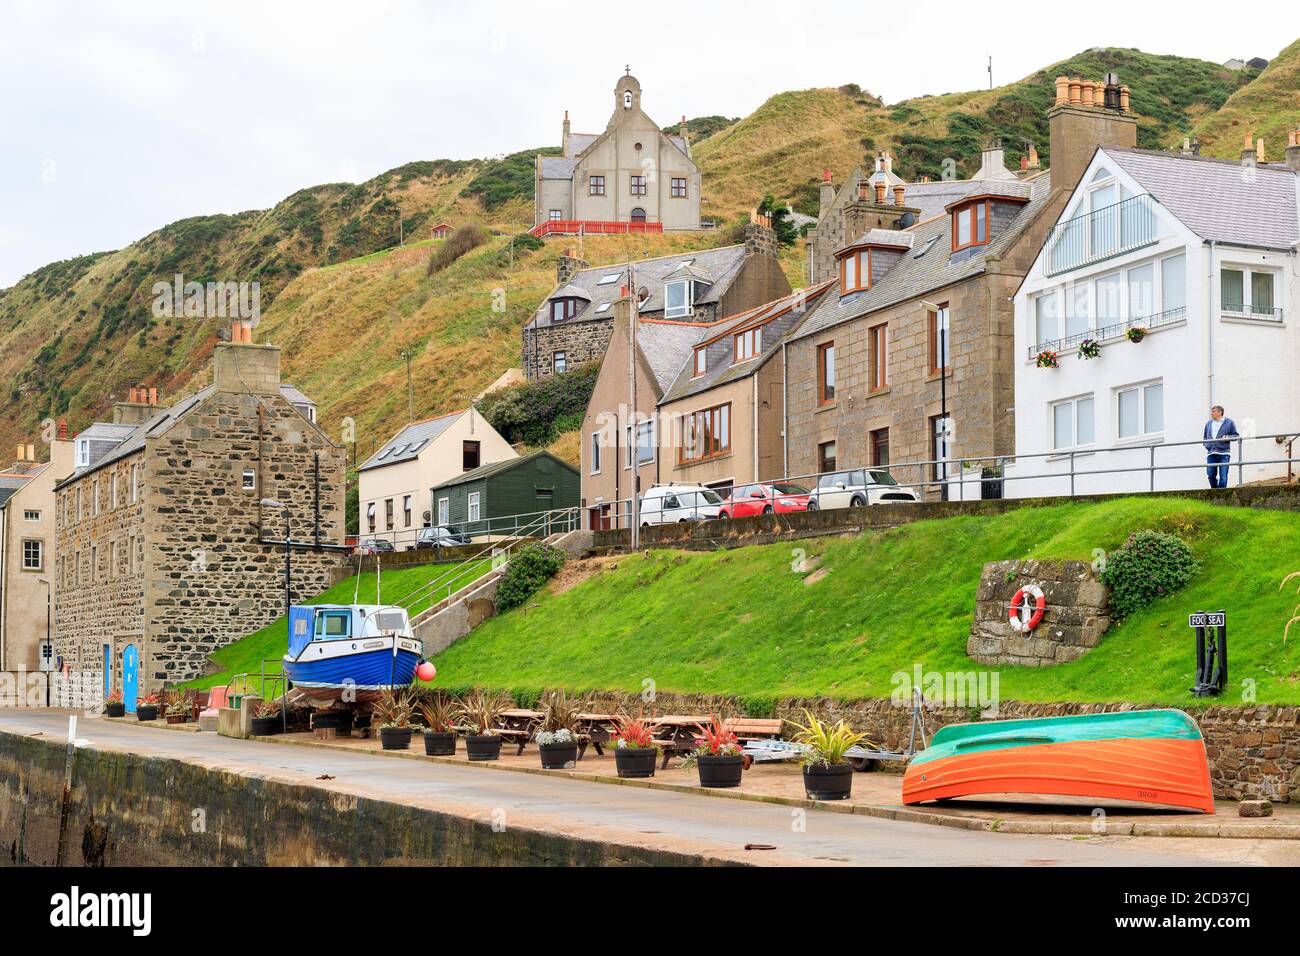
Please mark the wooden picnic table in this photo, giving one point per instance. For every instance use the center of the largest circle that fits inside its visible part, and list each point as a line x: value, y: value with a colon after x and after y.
x: 595, y: 729
x: 676, y: 734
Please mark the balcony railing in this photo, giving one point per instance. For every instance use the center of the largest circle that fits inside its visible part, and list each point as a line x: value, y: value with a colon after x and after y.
x: 1101, y: 234
x: 1239, y: 310
x: 1109, y: 332
x: 593, y: 227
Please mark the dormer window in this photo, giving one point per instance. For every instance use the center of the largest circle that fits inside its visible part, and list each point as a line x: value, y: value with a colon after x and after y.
x: 562, y: 309
x: 855, y: 271
x: 970, y: 225
x: 748, y: 344
x: 679, y: 299
x: 701, y: 361
x: 83, y: 453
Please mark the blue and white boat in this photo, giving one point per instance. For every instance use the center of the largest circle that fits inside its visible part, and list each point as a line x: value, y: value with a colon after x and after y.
x: 350, y: 653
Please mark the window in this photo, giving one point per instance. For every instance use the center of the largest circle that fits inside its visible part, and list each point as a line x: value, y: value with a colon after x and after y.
x: 406, y: 510
x: 826, y: 457
x: 706, y: 434
x: 1077, y: 319
x: 559, y: 362
x: 1249, y: 292
x: 940, y: 341
x: 1108, y: 294
x: 1142, y: 291
x: 388, y: 514
x: 878, y: 356
x: 370, y: 516
x: 638, y: 214
x: 638, y: 185
x: 941, y: 431
x: 678, y: 299
x: 596, y: 186
x: 31, y: 515
x: 1140, y: 410
x: 1173, y: 283
x: 33, y: 554
x: 444, y: 510
x: 748, y: 344
x: 679, y: 187
x: 826, y: 373
x: 472, y: 504
x: 112, y: 493
x: 1047, y: 321
x: 1102, y: 219
x: 855, y: 272
x: 880, y: 447
x: 562, y: 309
x: 701, y: 361
x: 970, y: 225
x: 469, y: 455
x: 94, y: 497
x: 645, y: 445
x: 83, y: 453
x: 93, y: 573
x: 249, y: 482
x: 135, y: 483
x: 610, y: 278
x: 595, y: 453
x: 78, y: 502
x: 556, y: 215
x: 1072, y: 423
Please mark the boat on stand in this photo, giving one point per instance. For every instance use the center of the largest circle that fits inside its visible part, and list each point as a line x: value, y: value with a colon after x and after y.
x: 341, y: 654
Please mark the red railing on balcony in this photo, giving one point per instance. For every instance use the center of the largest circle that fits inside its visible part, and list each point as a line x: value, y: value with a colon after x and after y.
x: 593, y: 227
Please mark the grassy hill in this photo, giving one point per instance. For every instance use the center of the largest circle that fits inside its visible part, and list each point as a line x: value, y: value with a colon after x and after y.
x: 742, y: 622
x: 1268, y: 107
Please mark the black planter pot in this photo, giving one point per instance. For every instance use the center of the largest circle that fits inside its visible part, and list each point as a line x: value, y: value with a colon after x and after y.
x: 483, y: 746
x: 146, y: 712
x: 635, y: 761
x: 832, y: 782
x: 558, y: 756
x: 721, y: 771
x: 439, y: 744
x: 395, y: 738
x: 115, y: 710
x: 265, y: 726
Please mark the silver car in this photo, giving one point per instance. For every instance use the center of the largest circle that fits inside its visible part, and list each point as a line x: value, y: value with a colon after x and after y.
x: 858, y: 488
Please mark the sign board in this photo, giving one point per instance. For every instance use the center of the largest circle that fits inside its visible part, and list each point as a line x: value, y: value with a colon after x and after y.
x: 1207, y: 619
x: 47, y: 654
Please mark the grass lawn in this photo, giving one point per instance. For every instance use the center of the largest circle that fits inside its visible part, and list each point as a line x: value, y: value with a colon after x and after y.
x: 743, y: 622
x: 400, y: 586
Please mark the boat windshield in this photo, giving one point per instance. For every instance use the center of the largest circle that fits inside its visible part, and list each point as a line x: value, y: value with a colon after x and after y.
x: 333, y: 625
x: 390, y: 621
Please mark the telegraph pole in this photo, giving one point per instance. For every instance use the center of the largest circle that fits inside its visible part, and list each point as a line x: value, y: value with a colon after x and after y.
x: 634, y: 445
x: 408, y: 354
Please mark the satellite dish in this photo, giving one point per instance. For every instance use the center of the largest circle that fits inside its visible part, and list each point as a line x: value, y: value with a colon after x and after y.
x: 906, y: 220
x: 642, y: 293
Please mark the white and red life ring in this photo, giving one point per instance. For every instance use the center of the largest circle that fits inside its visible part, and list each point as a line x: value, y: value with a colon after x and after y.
x: 1020, y: 604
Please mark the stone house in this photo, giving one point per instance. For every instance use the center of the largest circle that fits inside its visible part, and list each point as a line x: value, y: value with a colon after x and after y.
x: 633, y: 172
x: 572, y: 325
x: 169, y: 541
x: 912, y: 360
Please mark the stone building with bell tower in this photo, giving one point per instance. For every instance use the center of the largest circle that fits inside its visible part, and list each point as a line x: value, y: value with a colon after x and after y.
x: 631, y: 172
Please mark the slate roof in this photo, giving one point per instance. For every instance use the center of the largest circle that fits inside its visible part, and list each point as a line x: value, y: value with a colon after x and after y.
x: 407, y: 444
x: 558, y: 167
x: 1214, y: 200
x: 722, y: 264
x: 928, y: 266
x: 9, y: 484
x: 667, y: 345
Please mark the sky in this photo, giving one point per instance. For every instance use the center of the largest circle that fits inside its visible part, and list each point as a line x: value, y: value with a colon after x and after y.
x: 119, y: 117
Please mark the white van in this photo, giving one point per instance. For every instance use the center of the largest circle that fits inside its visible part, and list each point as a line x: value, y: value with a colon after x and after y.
x: 859, y: 487
x: 669, y: 504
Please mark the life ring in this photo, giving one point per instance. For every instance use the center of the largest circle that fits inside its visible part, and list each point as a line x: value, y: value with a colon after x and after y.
x: 1014, y: 613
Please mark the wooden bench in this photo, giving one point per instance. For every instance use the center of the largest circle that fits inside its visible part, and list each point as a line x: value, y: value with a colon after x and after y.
x: 754, y: 728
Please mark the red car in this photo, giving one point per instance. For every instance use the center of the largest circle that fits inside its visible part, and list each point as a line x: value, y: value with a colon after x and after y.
x: 782, y: 498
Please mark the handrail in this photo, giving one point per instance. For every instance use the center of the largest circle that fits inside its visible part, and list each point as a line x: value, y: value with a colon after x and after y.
x: 1110, y: 332
x: 1100, y: 234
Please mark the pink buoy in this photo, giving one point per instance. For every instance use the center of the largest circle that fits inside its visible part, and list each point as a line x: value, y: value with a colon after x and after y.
x: 426, y: 671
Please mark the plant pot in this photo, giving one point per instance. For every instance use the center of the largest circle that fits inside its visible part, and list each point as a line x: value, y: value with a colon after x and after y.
x: 175, y: 718
x: 394, y: 738
x: 558, y: 756
x: 832, y: 782
x: 721, y: 771
x: 115, y: 710
x: 146, y: 712
x: 264, y: 726
x: 483, y: 746
x: 438, y: 744
x: 635, y: 761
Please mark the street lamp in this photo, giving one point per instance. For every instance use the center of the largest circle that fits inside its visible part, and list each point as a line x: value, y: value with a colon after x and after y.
x: 272, y: 504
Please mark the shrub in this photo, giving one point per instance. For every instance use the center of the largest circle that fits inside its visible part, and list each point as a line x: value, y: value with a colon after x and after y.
x: 527, y: 572
x: 1149, y: 565
x: 536, y: 412
x: 464, y: 239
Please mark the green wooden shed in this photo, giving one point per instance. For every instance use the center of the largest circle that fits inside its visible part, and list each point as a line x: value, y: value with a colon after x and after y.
x: 497, y: 498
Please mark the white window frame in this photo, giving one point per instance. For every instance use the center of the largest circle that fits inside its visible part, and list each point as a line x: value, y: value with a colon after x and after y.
x: 701, y: 361
x: 687, y: 308
x: 1143, y: 436
x: 38, y: 545
x: 31, y: 514
x: 135, y: 483
x: 560, y: 361
x: 112, y: 493
x: 1073, y: 401
x: 1248, y: 273
x: 248, y: 480
x: 444, y: 511
x: 643, y: 426
x: 556, y: 215
x: 1039, y: 339
x: 473, y: 507
x: 83, y: 453
x: 407, y: 511
x: 595, y: 453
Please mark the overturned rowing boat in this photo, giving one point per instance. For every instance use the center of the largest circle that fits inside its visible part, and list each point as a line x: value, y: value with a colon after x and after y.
x: 1141, y: 756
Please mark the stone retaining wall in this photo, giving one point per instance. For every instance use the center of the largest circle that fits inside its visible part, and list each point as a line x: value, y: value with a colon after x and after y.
x: 1075, y: 616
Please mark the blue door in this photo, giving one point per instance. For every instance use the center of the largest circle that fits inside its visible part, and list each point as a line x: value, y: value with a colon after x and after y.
x: 108, y: 670
x: 130, y: 677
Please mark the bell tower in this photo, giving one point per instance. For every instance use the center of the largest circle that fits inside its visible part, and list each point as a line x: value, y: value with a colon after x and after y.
x: 627, y: 93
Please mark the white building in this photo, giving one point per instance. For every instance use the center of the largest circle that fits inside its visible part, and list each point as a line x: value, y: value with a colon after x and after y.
x: 1201, y: 255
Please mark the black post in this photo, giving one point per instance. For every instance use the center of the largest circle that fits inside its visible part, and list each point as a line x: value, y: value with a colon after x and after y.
x: 288, y: 552
x: 943, y: 391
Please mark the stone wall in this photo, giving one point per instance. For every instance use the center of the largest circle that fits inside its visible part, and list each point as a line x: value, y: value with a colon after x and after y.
x: 1076, y: 615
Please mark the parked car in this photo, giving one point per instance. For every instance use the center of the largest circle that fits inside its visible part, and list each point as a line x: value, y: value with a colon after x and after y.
x: 669, y: 504
x: 766, y: 499
x: 860, y: 487
x: 375, y: 546
x: 442, y: 536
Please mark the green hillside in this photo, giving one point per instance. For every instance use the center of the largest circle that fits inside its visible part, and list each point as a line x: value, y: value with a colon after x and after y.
x: 743, y: 622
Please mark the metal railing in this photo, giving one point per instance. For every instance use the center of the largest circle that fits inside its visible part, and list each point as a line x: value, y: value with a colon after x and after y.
x: 480, y: 531
x: 1259, y: 312
x: 1101, y: 233
x: 593, y: 227
x: 985, y: 477
x: 1110, y: 333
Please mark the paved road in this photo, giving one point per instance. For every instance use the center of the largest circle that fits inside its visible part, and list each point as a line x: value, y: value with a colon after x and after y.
x: 635, y: 816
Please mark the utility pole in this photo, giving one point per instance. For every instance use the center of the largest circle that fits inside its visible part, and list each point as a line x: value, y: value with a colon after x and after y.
x: 990, y: 72
x: 634, y: 444
x: 408, y: 354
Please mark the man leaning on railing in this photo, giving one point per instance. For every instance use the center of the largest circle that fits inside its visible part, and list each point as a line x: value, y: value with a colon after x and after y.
x: 1218, y: 432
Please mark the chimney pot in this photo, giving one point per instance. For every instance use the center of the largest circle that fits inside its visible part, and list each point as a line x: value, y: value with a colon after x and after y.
x: 826, y: 173
x: 31, y: 452
x: 63, y: 429
x: 1123, y: 99
x: 1259, y: 150
x: 1062, y: 90
x: 864, y: 190
x: 898, y: 194
x: 880, y: 193
x: 18, y: 455
x: 153, y: 395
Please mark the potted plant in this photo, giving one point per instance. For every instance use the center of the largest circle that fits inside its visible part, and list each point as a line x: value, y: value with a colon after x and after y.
x: 1136, y: 334
x: 718, y: 756
x: 439, y: 731
x: 482, y: 711
x: 557, y: 736
x: 635, y: 750
x: 147, y: 708
x: 1046, y: 359
x: 1089, y: 349
x: 266, y: 719
x: 393, y: 712
x: 178, y: 707
x: 113, y: 705
x: 827, y: 773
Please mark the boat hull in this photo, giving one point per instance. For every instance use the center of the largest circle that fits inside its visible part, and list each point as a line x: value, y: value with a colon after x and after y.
x: 1150, y: 757
x: 361, y: 676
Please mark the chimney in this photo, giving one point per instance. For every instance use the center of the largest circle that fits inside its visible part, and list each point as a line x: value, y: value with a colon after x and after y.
x: 1293, y: 151
x: 1248, y: 155
x: 567, y: 266
x: 827, y: 193
x: 880, y: 192
x: 685, y: 133
x: 243, y: 368
x: 564, y: 136
x: 1079, y: 123
x: 1187, y: 147
x: 140, y: 405
x: 760, y: 238
x: 899, y: 189
x: 63, y: 429
x: 1259, y: 151
x: 864, y: 190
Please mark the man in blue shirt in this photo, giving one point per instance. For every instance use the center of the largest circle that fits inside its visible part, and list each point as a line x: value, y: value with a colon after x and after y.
x: 1218, y: 431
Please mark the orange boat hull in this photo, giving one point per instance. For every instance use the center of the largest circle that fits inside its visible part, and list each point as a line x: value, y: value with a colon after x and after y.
x: 1161, y: 771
